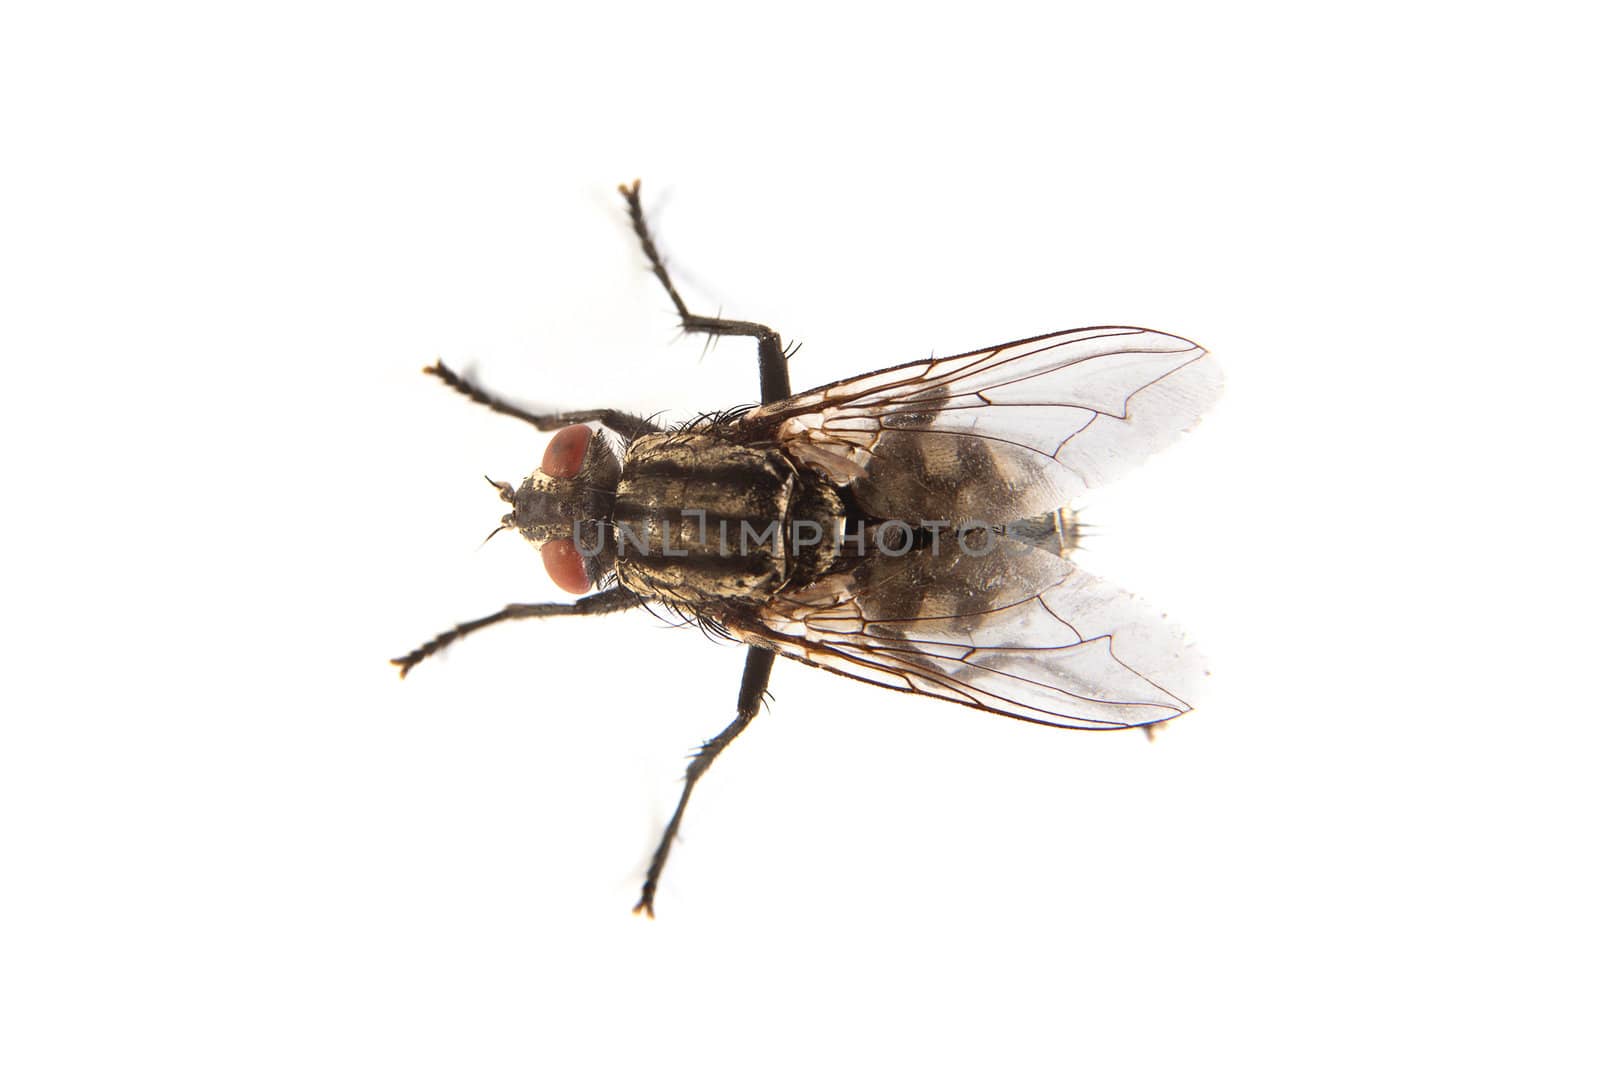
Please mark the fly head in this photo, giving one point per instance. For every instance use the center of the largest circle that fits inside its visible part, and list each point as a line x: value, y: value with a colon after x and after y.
x: 565, y: 505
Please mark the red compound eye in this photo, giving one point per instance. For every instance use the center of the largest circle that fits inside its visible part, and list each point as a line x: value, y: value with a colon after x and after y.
x: 565, y: 565
x: 563, y: 457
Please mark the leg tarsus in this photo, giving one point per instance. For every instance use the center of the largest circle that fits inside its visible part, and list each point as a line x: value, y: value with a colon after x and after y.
x: 757, y: 670
x: 769, y: 347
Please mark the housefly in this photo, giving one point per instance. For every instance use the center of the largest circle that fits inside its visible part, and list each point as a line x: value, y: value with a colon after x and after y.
x: 906, y: 527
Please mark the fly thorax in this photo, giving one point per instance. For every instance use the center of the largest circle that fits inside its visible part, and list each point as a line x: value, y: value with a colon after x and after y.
x: 699, y: 519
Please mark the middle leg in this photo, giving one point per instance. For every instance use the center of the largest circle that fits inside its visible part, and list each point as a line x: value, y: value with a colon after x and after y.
x: 757, y: 669
x: 769, y: 348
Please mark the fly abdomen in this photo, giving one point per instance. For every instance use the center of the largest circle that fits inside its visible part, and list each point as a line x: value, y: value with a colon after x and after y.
x: 1056, y: 532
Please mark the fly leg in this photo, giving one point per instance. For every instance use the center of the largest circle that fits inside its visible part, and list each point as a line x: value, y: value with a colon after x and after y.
x: 624, y: 425
x: 769, y: 348
x: 757, y: 669
x: 616, y: 598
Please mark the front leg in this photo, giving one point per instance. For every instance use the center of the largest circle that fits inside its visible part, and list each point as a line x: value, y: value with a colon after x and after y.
x: 769, y: 348
x: 622, y: 424
x: 615, y: 598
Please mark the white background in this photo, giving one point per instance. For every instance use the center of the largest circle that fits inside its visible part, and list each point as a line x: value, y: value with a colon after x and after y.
x: 233, y: 235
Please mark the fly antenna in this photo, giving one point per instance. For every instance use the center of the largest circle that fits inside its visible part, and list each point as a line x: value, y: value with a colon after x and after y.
x: 504, y: 488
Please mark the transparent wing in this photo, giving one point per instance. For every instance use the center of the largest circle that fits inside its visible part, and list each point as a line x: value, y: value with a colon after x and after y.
x: 1019, y: 632
x: 1001, y: 434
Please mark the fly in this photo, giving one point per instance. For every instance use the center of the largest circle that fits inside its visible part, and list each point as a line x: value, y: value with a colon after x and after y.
x: 907, y: 527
